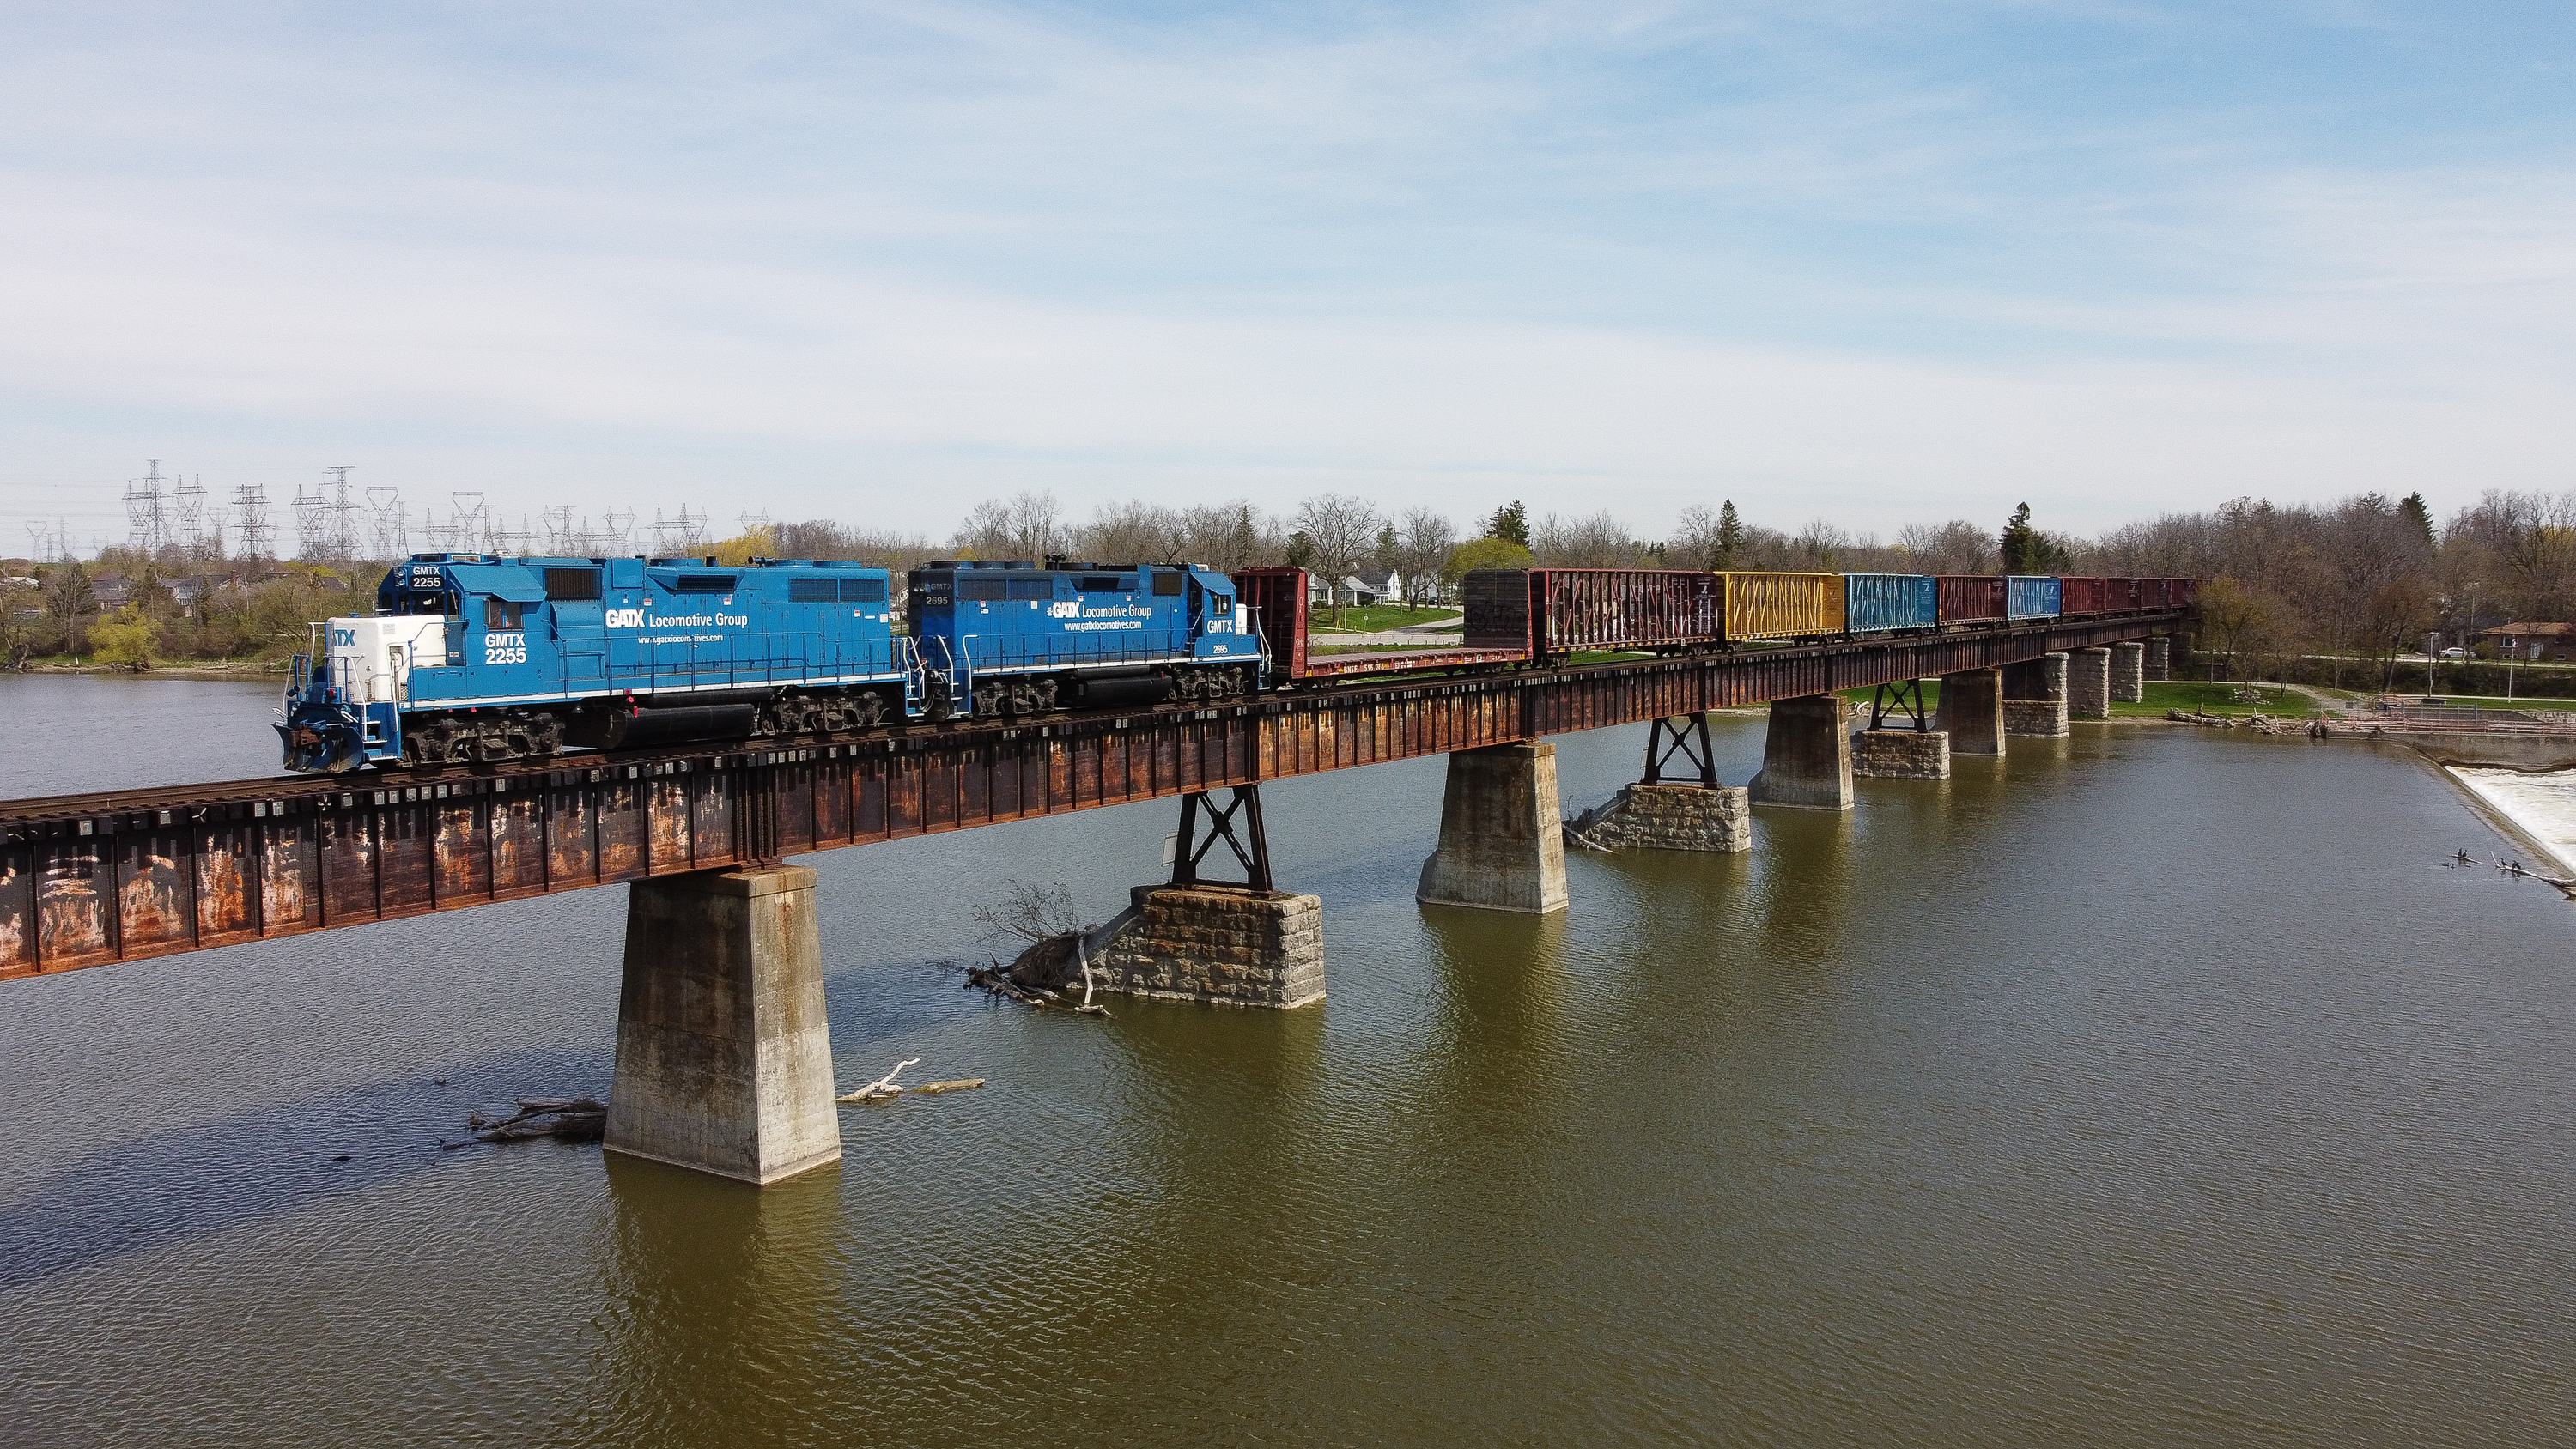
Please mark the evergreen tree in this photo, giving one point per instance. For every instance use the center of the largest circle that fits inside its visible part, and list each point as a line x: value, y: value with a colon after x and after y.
x: 1510, y: 523
x: 1301, y: 550
x: 1390, y: 552
x: 1730, y: 534
x: 2414, y: 510
x: 2025, y: 552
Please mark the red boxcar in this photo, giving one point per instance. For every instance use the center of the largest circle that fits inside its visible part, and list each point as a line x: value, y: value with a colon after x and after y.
x: 1964, y: 597
x: 2082, y: 596
x: 1561, y: 611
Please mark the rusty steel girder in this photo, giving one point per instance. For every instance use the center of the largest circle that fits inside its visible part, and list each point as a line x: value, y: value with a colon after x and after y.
x: 86, y: 880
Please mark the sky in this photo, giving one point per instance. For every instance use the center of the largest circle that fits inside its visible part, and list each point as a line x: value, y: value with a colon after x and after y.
x: 1869, y: 263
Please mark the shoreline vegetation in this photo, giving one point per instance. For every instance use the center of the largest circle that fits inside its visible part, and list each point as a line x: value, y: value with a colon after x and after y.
x: 2327, y: 596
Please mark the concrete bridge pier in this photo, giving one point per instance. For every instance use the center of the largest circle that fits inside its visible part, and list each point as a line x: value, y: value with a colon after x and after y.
x: 1971, y: 712
x: 2088, y: 684
x: 2128, y: 673
x: 1502, y: 837
x: 1657, y: 814
x: 2035, y: 697
x: 2156, y: 663
x: 724, y: 1058
x: 1807, y: 758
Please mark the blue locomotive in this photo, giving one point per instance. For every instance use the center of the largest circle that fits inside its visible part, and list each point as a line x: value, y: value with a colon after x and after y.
x: 1027, y: 639
x: 476, y: 658
x: 471, y: 657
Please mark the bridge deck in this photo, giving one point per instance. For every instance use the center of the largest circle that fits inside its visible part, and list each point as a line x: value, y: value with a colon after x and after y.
x: 85, y: 880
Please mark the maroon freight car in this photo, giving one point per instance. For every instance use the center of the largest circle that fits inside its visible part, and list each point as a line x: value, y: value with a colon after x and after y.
x: 2082, y: 595
x: 1551, y: 612
x: 1967, y: 598
x: 1279, y: 598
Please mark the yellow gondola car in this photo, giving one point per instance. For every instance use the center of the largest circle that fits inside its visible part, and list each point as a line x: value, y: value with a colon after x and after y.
x: 1783, y: 606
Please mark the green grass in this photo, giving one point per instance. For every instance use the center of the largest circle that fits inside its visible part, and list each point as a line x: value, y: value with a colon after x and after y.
x: 1377, y: 617
x: 2210, y: 698
x: 2186, y: 695
x: 2497, y: 701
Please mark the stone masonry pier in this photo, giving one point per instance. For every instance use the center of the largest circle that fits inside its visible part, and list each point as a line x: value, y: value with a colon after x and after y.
x: 1217, y: 944
x: 1901, y: 754
x: 2035, y: 697
x: 2128, y: 673
x: 2088, y: 684
x: 1670, y: 817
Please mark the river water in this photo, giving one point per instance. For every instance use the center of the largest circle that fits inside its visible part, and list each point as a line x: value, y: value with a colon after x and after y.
x: 2160, y: 1086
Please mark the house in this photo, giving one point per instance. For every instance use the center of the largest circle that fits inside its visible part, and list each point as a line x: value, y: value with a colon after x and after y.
x: 1360, y: 589
x: 2534, y: 641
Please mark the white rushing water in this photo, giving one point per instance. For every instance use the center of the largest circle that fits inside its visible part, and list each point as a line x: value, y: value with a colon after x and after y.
x: 2543, y: 805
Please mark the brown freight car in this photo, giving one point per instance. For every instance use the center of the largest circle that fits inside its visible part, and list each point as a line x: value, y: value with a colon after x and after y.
x: 1968, y: 598
x: 1554, y: 612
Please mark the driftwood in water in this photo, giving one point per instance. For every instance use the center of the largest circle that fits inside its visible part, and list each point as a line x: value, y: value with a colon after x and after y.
x: 933, y: 1089
x: 1041, y: 975
x: 575, y: 1119
x: 883, y: 1088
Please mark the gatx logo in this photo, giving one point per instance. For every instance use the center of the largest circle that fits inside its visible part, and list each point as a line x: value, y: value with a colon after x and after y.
x: 625, y: 618
x: 344, y: 638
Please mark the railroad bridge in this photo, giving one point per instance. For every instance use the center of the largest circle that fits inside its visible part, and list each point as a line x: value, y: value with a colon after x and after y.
x: 723, y: 1058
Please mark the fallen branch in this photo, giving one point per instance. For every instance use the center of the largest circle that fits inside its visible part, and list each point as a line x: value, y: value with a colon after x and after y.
x: 933, y: 1089
x: 883, y: 1088
x: 575, y: 1119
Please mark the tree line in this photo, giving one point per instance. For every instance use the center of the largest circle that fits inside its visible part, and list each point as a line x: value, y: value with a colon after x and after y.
x: 2333, y: 591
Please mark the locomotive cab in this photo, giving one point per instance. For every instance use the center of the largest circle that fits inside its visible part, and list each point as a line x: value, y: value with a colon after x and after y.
x: 476, y: 659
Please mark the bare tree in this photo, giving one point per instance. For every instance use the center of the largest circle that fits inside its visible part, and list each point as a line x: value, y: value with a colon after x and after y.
x: 1595, y: 542
x: 1230, y: 536
x: 1426, y: 536
x: 1024, y: 526
x: 1956, y: 547
x: 1131, y: 533
x: 1342, y: 531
